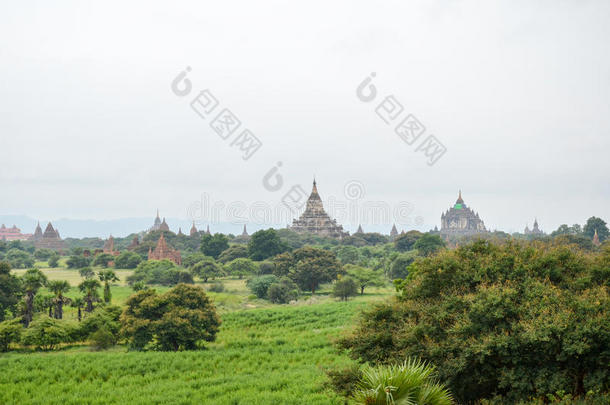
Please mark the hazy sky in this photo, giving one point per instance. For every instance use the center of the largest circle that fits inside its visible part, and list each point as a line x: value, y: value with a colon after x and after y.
x: 517, y: 91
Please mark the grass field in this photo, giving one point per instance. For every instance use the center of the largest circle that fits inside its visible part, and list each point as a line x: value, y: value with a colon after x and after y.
x: 261, y: 356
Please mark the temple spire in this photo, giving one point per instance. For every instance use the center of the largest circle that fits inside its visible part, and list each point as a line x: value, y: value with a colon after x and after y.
x: 596, y: 241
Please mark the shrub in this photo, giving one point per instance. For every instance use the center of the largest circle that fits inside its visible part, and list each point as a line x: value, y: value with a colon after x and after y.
x: 10, y: 332
x: 54, y: 260
x: 283, y: 292
x: 127, y: 260
x: 106, y: 318
x: 260, y: 285
x: 46, y: 333
x: 344, y: 288
x: 102, y: 339
x: 19, y: 259
x: 78, y: 261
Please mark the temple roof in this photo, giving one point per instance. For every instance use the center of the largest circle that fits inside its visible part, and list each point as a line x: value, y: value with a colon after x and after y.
x: 459, y: 200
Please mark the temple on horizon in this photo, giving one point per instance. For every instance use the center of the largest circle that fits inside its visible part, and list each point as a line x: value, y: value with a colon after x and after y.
x: 315, y: 220
x: 460, y: 220
x: 49, y: 239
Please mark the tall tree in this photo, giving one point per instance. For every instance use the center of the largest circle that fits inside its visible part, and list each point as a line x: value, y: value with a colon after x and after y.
x: 59, y: 288
x: 596, y: 224
x: 206, y: 269
x: 89, y: 287
x: 32, y: 281
x: 429, y: 244
x: 107, y: 277
x: 213, y: 245
x: 311, y: 267
x: 78, y: 303
x: 264, y: 244
x: 364, y: 277
x: 10, y: 290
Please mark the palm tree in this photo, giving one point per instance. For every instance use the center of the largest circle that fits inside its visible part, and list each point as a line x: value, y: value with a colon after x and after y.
x: 59, y: 288
x: 32, y: 280
x: 86, y: 273
x: 78, y: 303
x: 411, y: 382
x: 89, y: 288
x: 107, y: 276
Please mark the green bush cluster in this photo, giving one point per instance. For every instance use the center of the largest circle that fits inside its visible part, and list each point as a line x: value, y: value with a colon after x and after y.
x: 504, y: 323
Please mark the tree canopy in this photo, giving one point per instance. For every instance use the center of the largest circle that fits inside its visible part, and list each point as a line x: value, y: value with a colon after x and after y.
x: 517, y: 321
x: 179, y: 319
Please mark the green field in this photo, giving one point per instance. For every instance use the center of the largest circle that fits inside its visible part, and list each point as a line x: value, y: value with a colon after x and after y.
x: 261, y: 356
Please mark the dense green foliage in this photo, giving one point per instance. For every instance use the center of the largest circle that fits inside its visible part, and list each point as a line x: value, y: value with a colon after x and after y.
x: 213, y: 245
x: 308, y: 267
x: 406, y: 241
x: 283, y: 291
x: 264, y: 244
x: 179, y: 319
x: 510, y: 321
x: 161, y: 272
x: 344, y: 288
x: 260, y: 285
x: 10, y: 290
x: 127, y: 260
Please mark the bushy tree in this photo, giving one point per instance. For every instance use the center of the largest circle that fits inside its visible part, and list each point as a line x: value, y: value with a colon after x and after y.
x: 180, y: 319
x: 78, y: 261
x: 264, y: 244
x: 241, y: 267
x: 193, y: 258
x: 213, y: 245
x: 43, y: 254
x: 162, y: 272
x: 102, y: 259
x: 429, y: 244
x: 53, y: 260
x: 105, y: 318
x: 399, y: 266
x: 364, y: 277
x: 233, y: 252
x: 406, y: 241
x: 283, y: 292
x: 348, y: 254
x: 10, y: 332
x: 86, y: 273
x: 207, y: 269
x: 10, y: 290
x: 513, y: 321
x: 127, y: 260
x: 344, y: 288
x: 308, y: 267
x: 19, y: 259
x: 596, y: 224
x: 260, y: 285
x: 46, y: 333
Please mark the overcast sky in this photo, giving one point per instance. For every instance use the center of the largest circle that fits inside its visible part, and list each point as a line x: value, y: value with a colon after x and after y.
x: 518, y: 92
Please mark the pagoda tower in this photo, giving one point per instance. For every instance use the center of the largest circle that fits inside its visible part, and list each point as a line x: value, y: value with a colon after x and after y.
x: 596, y: 241
x: 315, y: 220
x: 193, y: 230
